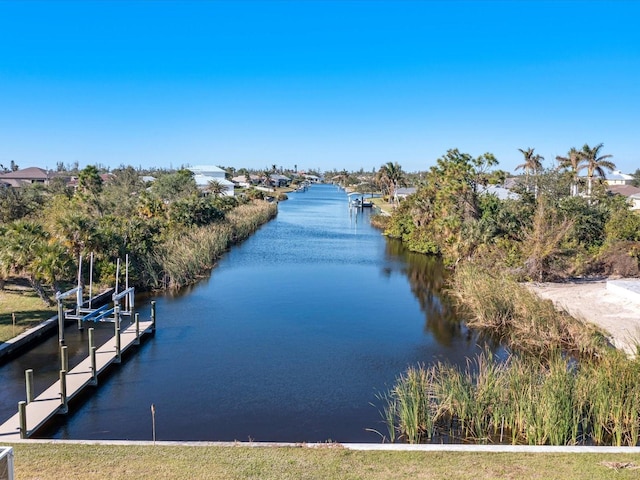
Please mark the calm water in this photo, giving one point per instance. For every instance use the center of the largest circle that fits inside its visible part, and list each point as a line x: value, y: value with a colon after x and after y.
x: 290, y: 339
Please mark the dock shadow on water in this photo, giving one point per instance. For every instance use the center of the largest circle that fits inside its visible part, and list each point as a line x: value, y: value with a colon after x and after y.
x: 291, y: 338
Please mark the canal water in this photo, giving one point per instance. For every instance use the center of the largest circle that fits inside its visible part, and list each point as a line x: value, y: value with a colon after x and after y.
x: 292, y: 338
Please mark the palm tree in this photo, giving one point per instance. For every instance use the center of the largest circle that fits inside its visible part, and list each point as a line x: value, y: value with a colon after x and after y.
x: 532, y: 164
x: 595, y: 163
x: 20, y: 253
x: 215, y: 188
x: 573, y: 163
x: 390, y: 177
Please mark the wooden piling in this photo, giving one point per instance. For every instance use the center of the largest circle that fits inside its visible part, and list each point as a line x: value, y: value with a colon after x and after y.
x: 64, y: 408
x: 28, y: 374
x: 22, y: 412
x: 64, y: 358
x: 116, y: 316
x: 153, y: 315
x: 137, y: 320
x: 60, y: 322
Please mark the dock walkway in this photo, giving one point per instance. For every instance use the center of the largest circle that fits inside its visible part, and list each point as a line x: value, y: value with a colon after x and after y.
x: 50, y: 402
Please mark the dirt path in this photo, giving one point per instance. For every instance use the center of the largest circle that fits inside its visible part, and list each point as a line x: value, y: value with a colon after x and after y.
x: 617, y: 315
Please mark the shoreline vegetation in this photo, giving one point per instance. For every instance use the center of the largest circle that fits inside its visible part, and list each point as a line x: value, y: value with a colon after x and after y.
x: 172, y: 230
x: 561, y: 383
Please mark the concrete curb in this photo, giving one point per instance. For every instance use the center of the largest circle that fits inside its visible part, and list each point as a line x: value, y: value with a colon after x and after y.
x: 387, y: 447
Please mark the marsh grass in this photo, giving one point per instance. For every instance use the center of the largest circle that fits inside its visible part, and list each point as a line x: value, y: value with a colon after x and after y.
x: 189, y: 254
x: 522, y: 320
x: 555, y: 402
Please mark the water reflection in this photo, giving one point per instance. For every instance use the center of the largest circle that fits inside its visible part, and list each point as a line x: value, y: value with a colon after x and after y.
x: 427, y: 277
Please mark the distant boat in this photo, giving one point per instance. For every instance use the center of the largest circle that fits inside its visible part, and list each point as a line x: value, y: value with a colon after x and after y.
x: 356, y: 200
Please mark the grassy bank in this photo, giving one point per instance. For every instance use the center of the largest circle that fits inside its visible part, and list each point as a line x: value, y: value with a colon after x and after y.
x: 189, y: 254
x: 42, y: 461
x: 519, y: 318
x: 28, y: 308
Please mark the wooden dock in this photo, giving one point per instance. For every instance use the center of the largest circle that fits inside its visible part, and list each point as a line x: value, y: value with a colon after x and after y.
x: 53, y: 400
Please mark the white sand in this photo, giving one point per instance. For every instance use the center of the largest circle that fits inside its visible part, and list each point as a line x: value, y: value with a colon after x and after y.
x: 615, y: 311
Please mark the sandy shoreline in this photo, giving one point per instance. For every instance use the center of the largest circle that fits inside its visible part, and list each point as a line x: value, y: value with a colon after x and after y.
x: 591, y: 301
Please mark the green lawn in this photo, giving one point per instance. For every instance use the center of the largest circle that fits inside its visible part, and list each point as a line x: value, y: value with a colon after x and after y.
x: 53, y: 461
x: 28, y: 308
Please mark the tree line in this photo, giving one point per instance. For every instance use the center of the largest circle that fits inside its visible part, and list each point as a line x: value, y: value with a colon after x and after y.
x: 554, y: 227
x: 45, y: 229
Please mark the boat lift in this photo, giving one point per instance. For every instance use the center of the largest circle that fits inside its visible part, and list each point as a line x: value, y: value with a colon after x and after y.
x: 123, y: 301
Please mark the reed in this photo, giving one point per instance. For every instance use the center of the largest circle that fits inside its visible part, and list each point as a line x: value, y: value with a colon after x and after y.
x: 190, y: 253
x: 518, y: 317
x: 521, y: 400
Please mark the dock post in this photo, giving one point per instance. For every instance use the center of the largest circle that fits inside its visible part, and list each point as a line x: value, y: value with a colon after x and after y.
x: 91, y: 339
x: 60, y: 322
x: 28, y: 374
x: 63, y: 392
x: 22, y: 411
x: 94, y: 372
x: 137, y: 317
x: 92, y: 354
x: 153, y: 315
x: 116, y: 314
x: 64, y: 358
x: 80, y: 326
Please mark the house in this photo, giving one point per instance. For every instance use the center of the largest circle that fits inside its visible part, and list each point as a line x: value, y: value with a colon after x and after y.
x: 203, y: 174
x: 632, y: 193
x: 279, y: 180
x: 26, y: 176
x: 403, y: 193
x: 312, y: 178
x: 499, y: 191
x: 618, y: 178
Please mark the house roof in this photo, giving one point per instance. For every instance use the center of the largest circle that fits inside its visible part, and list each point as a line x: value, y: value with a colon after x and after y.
x: 500, y: 192
x: 203, y: 180
x: 625, y: 190
x: 618, y: 175
x: 406, y: 191
x: 205, y: 169
x: 31, y: 173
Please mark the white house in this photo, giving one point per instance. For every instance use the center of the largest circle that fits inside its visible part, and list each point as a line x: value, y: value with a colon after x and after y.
x: 499, y: 191
x: 632, y: 193
x: 618, y: 178
x: 203, y: 174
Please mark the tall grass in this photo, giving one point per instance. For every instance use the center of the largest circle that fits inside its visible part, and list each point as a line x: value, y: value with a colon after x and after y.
x: 556, y: 402
x: 520, y: 318
x: 191, y: 253
x: 562, y: 385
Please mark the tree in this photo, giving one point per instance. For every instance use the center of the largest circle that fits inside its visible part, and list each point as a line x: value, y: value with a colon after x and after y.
x: 595, y: 163
x: 572, y: 163
x: 89, y: 181
x: 532, y: 164
x: 636, y: 178
x: 216, y: 188
x: 172, y: 186
x: 390, y: 177
x: 20, y: 252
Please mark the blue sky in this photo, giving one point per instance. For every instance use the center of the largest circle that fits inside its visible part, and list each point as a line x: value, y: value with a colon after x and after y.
x: 320, y: 85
